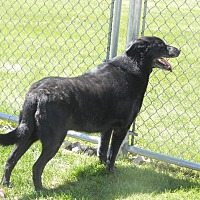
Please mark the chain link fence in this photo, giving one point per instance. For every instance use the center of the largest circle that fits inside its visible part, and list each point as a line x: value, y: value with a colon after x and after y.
x: 169, y: 122
x: 66, y: 38
x: 49, y: 38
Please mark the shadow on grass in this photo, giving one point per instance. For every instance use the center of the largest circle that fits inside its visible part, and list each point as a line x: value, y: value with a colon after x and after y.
x: 93, y: 182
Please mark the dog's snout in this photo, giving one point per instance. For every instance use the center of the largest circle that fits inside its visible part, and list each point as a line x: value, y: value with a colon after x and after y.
x: 173, y: 51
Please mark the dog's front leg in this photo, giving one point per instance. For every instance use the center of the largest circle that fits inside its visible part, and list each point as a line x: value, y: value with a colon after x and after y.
x: 102, y: 150
x: 117, y: 139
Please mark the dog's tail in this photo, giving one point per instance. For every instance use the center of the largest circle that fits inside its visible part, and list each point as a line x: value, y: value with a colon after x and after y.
x: 9, y: 138
x: 26, y: 126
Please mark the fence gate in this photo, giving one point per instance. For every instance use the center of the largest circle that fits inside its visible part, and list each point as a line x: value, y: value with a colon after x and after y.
x: 169, y: 122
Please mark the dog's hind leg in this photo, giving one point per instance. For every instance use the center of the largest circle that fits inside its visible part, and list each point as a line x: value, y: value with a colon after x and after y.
x: 102, y: 150
x: 50, y: 146
x: 20, y: 149
x: 117, y: 139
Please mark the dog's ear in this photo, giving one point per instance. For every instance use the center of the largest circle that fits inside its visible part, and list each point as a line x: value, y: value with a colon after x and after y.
x: 134, y: 47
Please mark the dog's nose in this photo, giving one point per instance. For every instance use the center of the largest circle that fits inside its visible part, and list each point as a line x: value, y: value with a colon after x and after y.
x: 173, y: 51
x: 178, y: 52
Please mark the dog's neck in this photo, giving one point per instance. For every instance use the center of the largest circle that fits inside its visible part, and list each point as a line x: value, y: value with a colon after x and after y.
x: 138, y: 65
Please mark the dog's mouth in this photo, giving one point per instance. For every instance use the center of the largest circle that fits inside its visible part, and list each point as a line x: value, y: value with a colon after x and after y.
x: 162, y: 64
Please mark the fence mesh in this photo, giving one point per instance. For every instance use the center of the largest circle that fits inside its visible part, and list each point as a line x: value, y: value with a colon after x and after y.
x: 65, y: 38
x: 169, y: 122
x: 43, y: 38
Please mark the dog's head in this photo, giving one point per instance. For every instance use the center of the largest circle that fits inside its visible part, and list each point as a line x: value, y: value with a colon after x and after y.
x: 152, y: 49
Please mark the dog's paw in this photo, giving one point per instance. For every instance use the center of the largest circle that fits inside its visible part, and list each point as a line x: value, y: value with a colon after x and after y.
x: 40, y: 189
x: 103, y: 160
x: 102, y: 157
x: 109, y: 167
x: 7, y: 183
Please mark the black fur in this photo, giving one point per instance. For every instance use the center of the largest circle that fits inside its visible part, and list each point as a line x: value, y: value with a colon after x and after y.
x: 106, y: 99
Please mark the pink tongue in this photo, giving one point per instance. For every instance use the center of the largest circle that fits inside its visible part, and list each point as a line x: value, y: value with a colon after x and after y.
x: 165, y: 62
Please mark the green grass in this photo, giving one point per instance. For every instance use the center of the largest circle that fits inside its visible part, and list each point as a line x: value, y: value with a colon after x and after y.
x: 69, y: 37
x: 77, y: 176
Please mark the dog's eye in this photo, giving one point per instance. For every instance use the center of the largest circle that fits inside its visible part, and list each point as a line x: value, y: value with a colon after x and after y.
x: 162, y: 45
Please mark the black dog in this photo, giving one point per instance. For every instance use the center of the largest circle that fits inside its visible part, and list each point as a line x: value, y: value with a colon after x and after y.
x: 106, y: 99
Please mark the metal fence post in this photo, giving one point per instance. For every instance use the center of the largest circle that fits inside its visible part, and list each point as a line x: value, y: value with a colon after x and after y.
x: 135, y: 7
x: 115, y: 28
x: 144, y: 17
x: 110, y: 30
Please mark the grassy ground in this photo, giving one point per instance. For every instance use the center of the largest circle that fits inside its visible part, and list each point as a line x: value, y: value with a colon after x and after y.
x: 78, y: 176
x: 43, y: 39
